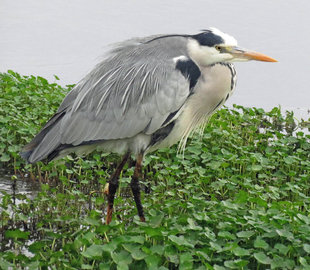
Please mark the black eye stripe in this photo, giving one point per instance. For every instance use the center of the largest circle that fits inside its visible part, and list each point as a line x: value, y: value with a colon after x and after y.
x: 208, y: 39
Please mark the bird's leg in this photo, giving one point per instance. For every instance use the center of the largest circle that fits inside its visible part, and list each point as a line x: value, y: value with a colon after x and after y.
x: 112, y: 186
x: 135, y: 187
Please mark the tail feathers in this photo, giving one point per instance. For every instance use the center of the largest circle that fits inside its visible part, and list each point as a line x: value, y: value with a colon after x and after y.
x: 45, y: 142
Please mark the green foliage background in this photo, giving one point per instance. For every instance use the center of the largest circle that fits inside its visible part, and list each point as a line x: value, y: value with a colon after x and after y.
x: 238, y: 199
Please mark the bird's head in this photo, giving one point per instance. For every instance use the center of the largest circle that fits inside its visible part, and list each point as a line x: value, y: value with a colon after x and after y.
x: 213, y: 46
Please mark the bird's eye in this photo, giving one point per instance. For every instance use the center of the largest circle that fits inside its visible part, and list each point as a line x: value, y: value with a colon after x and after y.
x: 218, y: 48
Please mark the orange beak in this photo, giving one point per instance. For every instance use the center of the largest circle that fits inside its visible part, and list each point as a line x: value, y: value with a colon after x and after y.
x: 258, y: 56
x: 245, y: 55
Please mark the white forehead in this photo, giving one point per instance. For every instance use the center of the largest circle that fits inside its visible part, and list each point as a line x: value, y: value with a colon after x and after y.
x: 229, y: 40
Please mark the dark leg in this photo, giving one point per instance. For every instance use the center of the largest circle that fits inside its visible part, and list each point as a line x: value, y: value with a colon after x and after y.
x: 135, y: 187
x: 112, y: 186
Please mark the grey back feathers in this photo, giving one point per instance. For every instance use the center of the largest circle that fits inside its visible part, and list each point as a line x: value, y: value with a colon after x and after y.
x: 136, y: 93
x: 133, y: 90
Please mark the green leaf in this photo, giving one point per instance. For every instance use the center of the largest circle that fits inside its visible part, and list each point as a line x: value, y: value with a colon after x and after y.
x: 245, y: 234
x: 91, y: 221
x: 260, y: 243
x: 5, y: 264
x: 93, y: 251
x: 4, y: 157
x: 186, y: 261
x: 86, y: 266
x: 262, y: 258
x: 122, y: 266
x: 306, y: 248
x: 16, y: 234
x: 136, y: 239
x: 256, y: 168
x: 135, y: 251
x: 156, y: 220
x: 121, y: 258
x: 226, y: 235
x: 152, y: 261
x: 238, y: 251
x: 104, y: 266
x: 180, y: 240
x: 109, y: 247
x: 138, y: 255
x: 304, y: 262
x: 282, y: 248
x: 158, y: 249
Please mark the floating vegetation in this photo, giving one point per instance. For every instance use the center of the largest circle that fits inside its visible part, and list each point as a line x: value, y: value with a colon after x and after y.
x: 239, y: 198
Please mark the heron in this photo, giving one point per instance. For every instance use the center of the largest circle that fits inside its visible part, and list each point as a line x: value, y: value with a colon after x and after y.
x: 147, y: 93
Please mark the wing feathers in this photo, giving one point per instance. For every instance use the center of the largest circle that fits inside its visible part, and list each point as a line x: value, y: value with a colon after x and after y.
x: 134, y: 90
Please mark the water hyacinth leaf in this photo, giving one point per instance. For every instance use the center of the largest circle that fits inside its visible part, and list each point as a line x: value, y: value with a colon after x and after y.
x: 285, y: 233
x: 230, y: 205
x: 104, y: 266
x: 93, y: 251
x: 121, y: 258
x: 16, y: 234
x: 109, y: 247
x: 256, y: 168
x: 152, y: 231
x: 304, y: 262
x: 135, y: 251
x: 158, y: 249
x: 4, y: 157
x: 180, y: 241
x: 138, y: 255
x: 238, y: 251
x: 152, y: 261
x: 262, y: 258
x: 226, y: 235
x: 86, y: 266
x: 91, y: 221
x: 122, y: 266
x: 260, y: 243
x: 241, y: 263
x: 5, y: 264
x: 282, y: 248
x: 289, y: 160
x: 186, y: 261
x: 216, y: 246
x: 136, y: 239
x: 245, y: 234
x: 193, y: 225
x: 155, y: 221
x: 306, y: 248
x: 218, y: 267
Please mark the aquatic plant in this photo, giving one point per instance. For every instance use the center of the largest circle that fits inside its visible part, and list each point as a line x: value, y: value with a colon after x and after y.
x: 238, y: 199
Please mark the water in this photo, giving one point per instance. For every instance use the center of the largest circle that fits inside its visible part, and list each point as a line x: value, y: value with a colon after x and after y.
x: 18, y: 186
x: 67, y: 38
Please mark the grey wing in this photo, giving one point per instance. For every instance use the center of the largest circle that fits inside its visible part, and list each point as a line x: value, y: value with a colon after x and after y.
x: 134, y: 90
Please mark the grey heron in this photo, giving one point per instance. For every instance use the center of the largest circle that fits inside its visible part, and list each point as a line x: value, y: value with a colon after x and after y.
x: 147, y: 93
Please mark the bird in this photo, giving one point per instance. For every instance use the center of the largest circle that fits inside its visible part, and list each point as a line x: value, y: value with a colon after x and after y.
x: 147, y: 93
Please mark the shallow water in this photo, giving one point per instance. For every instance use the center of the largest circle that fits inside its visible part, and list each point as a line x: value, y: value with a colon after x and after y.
x: 67, y: 38
x: 18, y: 186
